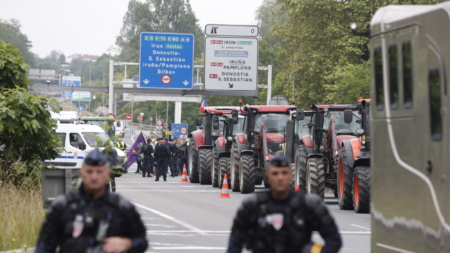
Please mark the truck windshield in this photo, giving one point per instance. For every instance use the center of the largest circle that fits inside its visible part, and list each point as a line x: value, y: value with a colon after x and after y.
x: 274, y: 122
x: 96, y: 139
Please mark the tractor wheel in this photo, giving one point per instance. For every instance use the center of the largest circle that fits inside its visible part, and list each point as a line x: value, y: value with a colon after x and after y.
x: 247, y: 174
x: 361, y: 189
x: 204, y: 168
x: 215, y: 169
x: 234, y: 168
x: 294, y: 177
x: 315, y: 177
x: 193, y: 162
x: 266, y: 183
x: 258, y: 181
x: 300, y: 165
x: 224, y: 168
x: 344, y: 182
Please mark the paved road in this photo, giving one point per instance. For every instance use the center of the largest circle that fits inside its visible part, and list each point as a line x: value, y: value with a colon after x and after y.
x: 185, y: 217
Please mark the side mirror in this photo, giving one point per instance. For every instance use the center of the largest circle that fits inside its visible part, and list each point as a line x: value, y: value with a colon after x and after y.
x: 199, y: 121
x: 81, y: 145
x: 234, y: 117
x: 348, y: 116
x: 215, y: 122
x: 300, y: 115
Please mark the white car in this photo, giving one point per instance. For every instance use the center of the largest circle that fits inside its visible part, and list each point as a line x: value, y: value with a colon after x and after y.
x: 78, y: 140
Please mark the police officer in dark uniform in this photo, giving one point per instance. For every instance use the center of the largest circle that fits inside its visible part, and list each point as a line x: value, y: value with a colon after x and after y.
x: 92, y: 219
x: 147, y: 151
x: 282, y: 220
x: 173, y: 158
x: 183, y: 155
x: 162, y: 154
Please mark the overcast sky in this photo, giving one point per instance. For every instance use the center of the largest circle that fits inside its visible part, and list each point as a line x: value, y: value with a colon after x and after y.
x: 91, y: 26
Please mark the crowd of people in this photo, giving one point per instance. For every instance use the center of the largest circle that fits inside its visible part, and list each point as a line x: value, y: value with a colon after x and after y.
x: 159, y: 154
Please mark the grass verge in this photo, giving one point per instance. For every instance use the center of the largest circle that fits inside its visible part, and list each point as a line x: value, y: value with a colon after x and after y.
x: 21, y: 216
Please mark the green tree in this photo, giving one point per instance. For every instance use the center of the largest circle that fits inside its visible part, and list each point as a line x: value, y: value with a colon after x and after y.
x: 320, y: 51
x: 10, y: 33
x: 27, y: 134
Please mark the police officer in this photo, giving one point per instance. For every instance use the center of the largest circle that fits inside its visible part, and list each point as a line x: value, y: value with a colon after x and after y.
x: 147, y: 151
x: 174, y: 159
x: 282, y: 220
x: 183, y: 154
x: 162, y: 154
x: 92, y: 219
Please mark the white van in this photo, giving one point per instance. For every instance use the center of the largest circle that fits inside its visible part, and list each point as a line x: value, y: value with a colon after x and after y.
x: 120, y: 127
x: 78, y: 140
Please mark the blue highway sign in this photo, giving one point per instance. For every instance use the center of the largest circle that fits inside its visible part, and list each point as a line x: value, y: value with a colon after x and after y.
x: 70, y: 81
x: 166, y: 61
x: 80, y: 108
x: 179, y: 130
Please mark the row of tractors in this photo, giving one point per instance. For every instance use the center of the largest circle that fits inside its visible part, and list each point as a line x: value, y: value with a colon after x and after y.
x: 328, y: 145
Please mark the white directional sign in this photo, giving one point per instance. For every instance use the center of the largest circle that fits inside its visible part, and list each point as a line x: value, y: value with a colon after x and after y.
x: 232, y: 30
x: 231, y: 63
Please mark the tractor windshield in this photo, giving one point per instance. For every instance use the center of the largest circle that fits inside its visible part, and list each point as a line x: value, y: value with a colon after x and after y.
x: 239, y: 127
x: 300, y: 129
x: 274, y: 122
x: 216, y: 132
x: 341, y: 126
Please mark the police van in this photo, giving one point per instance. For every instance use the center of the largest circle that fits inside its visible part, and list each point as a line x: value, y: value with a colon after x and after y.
x: 78, y: 140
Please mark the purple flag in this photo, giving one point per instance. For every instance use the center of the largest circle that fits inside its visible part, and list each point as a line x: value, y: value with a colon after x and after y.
x: 137, y: 145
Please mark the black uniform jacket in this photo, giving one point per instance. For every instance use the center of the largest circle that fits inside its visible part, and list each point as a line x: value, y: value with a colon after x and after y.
x: 126, y: 221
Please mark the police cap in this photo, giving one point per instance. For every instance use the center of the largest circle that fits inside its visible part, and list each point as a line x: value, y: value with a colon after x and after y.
x: 149, y: 140
x: 280, y: 160
x: 95, y: 158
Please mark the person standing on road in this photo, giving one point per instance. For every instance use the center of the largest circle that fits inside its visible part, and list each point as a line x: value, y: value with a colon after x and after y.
x: 282, y: 220
x: 111, y: 156
x: 183, y: 154
x: 121, y: 145
x: 174, y: 159
x: 138, y: 152
x: 92, y: 219
x: 147, y: 150
x: 162, y: 154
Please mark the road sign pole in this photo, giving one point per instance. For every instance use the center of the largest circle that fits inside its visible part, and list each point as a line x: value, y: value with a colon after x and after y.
x: 178, y: 112
x: 269, y: 83
x: 111, y: 89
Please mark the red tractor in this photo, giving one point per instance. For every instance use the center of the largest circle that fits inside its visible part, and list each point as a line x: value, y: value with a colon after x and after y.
x: 318, y: 153
x: 202, y: 142
x: 233, y: 124
x: 263, y: 136
x: 353, y: 187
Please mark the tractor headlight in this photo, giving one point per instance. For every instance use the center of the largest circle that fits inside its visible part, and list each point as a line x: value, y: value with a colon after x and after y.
x: 360, y: 131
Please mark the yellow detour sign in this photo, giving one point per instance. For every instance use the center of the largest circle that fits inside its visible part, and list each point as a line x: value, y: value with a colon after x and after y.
x: 168, y: 132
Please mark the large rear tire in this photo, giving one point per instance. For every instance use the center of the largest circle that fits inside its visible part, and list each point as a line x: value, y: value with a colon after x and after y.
x: 234, y: 168
x: 294, y: 178
x: 224, y: 168
x: 215, y: 169
x: 315, y: 175
x: 300, y: 165
x: 193, y: 162
x: 361, y: 189
x: 247, y: 174
x: 344, y: 182
x: 204, y: 168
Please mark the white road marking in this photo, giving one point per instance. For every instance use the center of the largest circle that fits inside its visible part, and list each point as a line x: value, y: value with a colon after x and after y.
x: 145, y: 218
x: 159, y: 225
x: 393, y: 248
x: 359, y: 226
x: 181, y: 223
x: 189, y: 248
x: 168, y: 191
